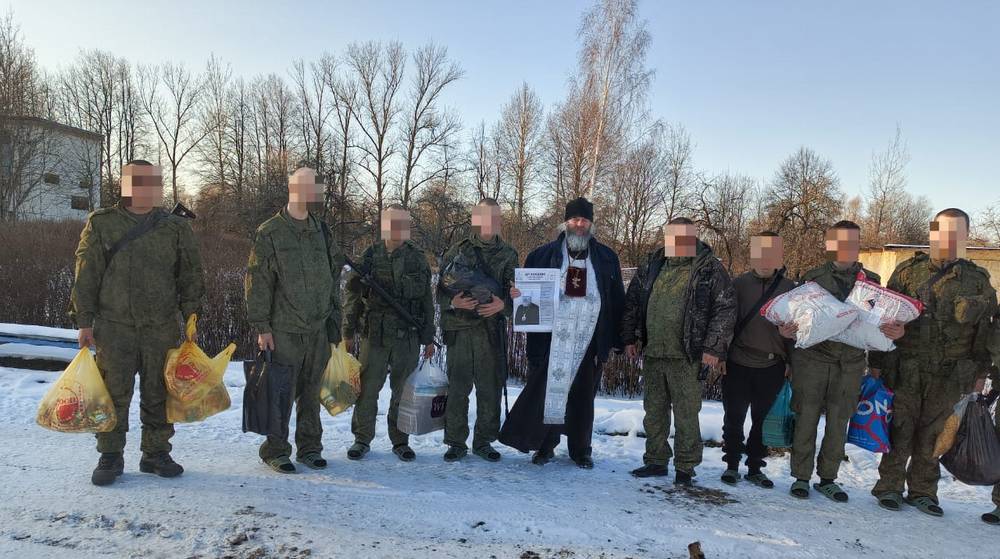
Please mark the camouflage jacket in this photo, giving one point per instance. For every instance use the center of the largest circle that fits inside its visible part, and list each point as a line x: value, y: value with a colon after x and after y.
x: 405, y: 275
x: 147, y: 282
x: 293, y: 278
x: 709, y: 308
x: 955, y: 326
x: 839, y: 283
x: 501, y: 259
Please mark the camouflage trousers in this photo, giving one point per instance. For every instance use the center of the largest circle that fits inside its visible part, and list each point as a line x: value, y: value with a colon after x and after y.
x: 672, y: 385
x: 473, y: 360
x: 820, y: 387
x: 395, y: 358
x: 924, y: 398
x: 122, y: 351
x: 307, y: 355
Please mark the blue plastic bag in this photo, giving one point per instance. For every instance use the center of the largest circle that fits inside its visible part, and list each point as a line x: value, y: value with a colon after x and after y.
x: 779, y: 424
x: 870, y: 424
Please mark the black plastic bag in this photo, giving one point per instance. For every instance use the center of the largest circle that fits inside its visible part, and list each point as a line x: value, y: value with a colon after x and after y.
x: 463, y: 277
x: 267, y: 397
x: 975, y: 457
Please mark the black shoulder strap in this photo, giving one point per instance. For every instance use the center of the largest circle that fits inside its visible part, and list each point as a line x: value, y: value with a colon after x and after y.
x: 138, y: 230
x: 482, y: 263
x: 778, y: 276
x: 327, y: 236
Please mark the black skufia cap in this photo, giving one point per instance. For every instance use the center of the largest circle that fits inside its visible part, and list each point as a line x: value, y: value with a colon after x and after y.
x: 580, y: 207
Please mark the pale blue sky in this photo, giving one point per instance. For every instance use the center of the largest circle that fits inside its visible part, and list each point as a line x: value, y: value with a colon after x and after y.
x: 750, y: 80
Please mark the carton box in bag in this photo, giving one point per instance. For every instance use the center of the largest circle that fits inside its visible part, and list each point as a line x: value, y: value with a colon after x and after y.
x: 422, y: 404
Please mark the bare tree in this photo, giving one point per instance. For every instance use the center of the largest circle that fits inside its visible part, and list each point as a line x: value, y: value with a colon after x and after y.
x: 570, y: 131
x: 215, y: 151
x: 378, y: 70
x: 427, y: 126
x: 724, y: 210
x: 315, y: 106
x: 171, y: 96
x: 639, y: 185
x: 481, y: 158
x: 804, y: 198
x: 22, y: 89
x: 345, y: 102
x: 681, y: 177
x: 987, y: 226
x: 520, y: 140
x: 612, y: 63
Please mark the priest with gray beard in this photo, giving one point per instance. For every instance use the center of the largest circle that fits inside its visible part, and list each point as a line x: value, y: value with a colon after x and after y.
x: 564, y: 367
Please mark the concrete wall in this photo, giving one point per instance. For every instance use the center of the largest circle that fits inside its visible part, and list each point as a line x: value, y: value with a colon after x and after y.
x: 884, y: 261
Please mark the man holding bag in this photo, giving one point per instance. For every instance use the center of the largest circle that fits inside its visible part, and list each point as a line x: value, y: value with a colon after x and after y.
x: 136, y: 266
x: 293, y: 303
x: 826, y: 376
x: 390, y: 344
x: 942, y: 356
x: 475, y: 333
x: 758, y: 360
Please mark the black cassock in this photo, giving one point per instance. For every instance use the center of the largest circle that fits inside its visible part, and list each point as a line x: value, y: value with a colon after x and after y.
x: 524, y: 428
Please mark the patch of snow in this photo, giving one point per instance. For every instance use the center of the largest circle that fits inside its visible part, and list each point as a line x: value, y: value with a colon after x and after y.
x: 29, y: 331
x: 229, y: 504
x: 29, y: 351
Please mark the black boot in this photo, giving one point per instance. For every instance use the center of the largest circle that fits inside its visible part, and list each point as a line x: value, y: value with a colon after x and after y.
x: 109, y: 466
x: 650, y: 470
x: 542, y: 456
x: 683, y: 478
x: 160, y: 464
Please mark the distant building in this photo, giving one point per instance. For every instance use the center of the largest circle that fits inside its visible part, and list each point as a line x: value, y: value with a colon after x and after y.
x: 48, y: 170
x: 884, y: 260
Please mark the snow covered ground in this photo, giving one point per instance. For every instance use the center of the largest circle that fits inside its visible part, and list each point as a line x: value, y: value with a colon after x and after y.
x: 228, y: 504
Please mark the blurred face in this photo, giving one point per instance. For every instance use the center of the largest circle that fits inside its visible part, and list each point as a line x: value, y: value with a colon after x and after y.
x: 949, y: 238
x: 766, y: 253
x: 303, y: 188
x: 395, y: 225
x: 680, y: 239
x: 142, y: 186
x: 579, y: 226
x: 843, y: 245
x: 486, y: 220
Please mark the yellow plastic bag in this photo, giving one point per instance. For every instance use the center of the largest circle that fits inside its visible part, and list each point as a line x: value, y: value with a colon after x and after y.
x: 189, y: 373
x: 79, y: 401
x: 216, y: 401
x: 341, y: 382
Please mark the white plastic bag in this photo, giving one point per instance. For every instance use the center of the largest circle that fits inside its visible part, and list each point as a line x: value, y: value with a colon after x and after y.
x: 876, y: 305
x: 818, y: 314
x: 422, y: 404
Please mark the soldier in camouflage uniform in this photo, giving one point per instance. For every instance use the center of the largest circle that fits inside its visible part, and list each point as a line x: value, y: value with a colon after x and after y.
x: 942, y: 356
x: 293, y: 303
x: 390, y: 346
x: 826, y: 377
x: 681, y: 307
x: 475, y: 333
x: 125, y: 302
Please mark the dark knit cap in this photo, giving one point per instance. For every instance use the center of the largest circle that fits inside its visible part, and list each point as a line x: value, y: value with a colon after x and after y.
x: 581, y: 207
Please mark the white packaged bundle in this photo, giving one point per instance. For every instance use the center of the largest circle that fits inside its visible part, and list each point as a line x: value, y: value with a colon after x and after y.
x: 818, y: 314
x: 876, y: 305
x: 422, y: 404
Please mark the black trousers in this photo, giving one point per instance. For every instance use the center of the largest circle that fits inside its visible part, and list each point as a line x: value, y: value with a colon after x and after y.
x: 525, y: 429
x: 746, y: 388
